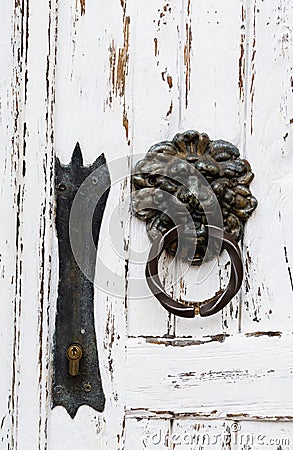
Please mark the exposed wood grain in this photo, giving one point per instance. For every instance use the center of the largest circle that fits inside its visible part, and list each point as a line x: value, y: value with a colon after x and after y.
x: 119, y: 69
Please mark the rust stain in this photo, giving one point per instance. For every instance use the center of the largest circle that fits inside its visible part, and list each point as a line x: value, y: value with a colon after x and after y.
x: 188, y: 7
x: 82, y: 7
x: 252, y: 87
x: 112, y: 74
x: 125, y: 122
x: 162, y: 15
x: 156, y: 46
x: 241, y: 68
x: 242, y: 56
x: 170, y: 109
x: 169, y: 81
x: 122, y: 64
x: 109, y: 338
x: 186, y: 342
x: 140, y: 413
x: 118, y: 70
x: 187, y: 60
x: 288, y: 267
x: 264, y: 333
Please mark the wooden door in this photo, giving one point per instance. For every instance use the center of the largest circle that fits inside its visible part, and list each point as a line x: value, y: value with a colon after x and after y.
x: 117, y: 77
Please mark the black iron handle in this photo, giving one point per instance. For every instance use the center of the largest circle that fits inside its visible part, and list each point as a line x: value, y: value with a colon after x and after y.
x: 189, y: 308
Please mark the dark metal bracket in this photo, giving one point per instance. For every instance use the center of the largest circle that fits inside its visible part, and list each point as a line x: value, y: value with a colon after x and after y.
x: 76, y: 373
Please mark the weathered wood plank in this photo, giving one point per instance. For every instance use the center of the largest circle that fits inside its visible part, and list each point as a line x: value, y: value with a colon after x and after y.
x: 36, y: 212
x: 245, y: 376
x: 93, y: 106
x: 155, y: 52
x: 9, y: 207
x: 211, y: 102
x: 29, y: 117
x: 268, y: 245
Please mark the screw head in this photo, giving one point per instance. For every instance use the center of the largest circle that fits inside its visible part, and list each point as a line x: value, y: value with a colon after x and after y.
x: 87, y: 387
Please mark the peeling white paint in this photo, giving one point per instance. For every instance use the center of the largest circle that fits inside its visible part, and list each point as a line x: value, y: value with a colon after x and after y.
x: 119, y: 77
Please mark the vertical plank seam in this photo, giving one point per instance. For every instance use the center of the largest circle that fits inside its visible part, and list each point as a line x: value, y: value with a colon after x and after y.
x: 246, y: 94
x: 20, y: 48
x: 45, y: 227
x: 182, y: 100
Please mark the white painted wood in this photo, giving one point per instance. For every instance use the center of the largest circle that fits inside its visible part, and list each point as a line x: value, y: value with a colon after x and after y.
x: 156, y: 51
x: 263, y: 435
x: 9, y: 167
x: 211, y: 103
x: 268, y: 246
x: 243, y: 376
x: 203, y: 435
x: 92, y: 98
x: 106, y: 82
x: 28, y: 106
x: 147, y: 434
x: 197, y: 434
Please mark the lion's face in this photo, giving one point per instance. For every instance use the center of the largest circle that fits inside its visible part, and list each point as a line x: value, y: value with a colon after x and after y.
x: 169, y: 183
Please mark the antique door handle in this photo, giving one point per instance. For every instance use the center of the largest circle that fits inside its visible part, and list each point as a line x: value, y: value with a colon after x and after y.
x: 190, y: 308
x: 193, y: 193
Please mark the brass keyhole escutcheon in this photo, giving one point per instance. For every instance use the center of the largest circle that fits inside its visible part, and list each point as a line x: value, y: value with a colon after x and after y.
x: 74, y: 354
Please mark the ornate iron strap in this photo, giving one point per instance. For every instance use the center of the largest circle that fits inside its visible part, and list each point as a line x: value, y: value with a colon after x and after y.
x: 75, y: 337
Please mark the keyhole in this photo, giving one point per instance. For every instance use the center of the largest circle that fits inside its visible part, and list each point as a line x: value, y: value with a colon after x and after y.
x: 74, y: 354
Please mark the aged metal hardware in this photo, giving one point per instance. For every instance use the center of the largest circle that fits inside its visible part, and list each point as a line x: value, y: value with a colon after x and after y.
x: 74, y: 354
x: 80, y: 382
x: 171, y: 167
x: 196, y: 189
x: 189, y: 308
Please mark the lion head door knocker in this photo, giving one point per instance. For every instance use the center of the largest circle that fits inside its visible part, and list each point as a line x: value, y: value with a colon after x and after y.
x: 193, y: 193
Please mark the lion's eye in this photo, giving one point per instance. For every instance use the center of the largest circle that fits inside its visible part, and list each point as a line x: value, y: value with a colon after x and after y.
x: 152, y: 180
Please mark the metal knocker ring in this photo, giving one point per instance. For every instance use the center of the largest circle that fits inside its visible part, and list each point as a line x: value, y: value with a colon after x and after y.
x: 189, y: 308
